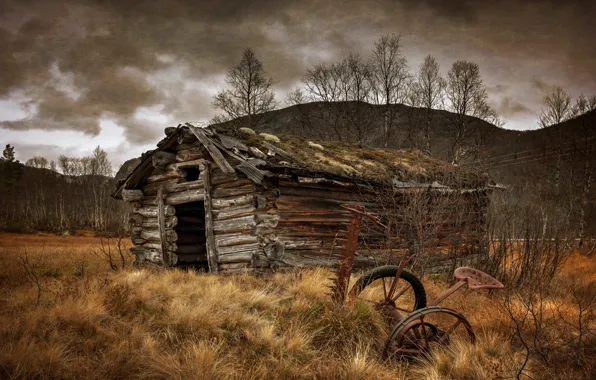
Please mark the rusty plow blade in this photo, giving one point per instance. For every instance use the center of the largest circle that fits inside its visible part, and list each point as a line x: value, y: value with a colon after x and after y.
x: 341, y: 281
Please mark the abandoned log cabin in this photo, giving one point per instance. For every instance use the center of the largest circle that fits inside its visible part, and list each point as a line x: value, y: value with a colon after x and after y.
x: 228, y: 200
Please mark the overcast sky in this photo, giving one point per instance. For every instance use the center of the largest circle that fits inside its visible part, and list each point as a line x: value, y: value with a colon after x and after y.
x: 114, y: 73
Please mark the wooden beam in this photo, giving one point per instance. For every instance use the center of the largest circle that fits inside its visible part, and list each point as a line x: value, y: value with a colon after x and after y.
x: 185, y: 197
x: 215, y: 153
x: 161, y: 221
x: 211, y: 252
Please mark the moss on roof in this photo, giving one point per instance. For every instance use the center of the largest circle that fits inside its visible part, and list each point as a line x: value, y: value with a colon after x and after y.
x: 354, y: 161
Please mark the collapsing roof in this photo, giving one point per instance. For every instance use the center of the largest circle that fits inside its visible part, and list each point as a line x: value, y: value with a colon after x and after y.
x: 260, y: 155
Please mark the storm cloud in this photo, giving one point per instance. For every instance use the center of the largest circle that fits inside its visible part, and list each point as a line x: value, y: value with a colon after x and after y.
x: 69, y: 64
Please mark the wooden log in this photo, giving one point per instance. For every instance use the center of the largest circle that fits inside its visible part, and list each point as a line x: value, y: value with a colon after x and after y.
x: 132, y: 195
x: 234, y: 212
x: 302, y: 258
x: 245, y: 223
x: 149, y: 201
x: 209, y: 228
x: 157, y: 245
x: 190, y: 154
x: 187, y: 164
x: 135, y: 219
x: 288, y: 202
x: 234, y: 239
x: 233, y: 191
x: 244, y: 256
x: 185, y: 197
x: 232, y: 201
x: 152, y: 188
x: 215, y: 153
x: 162, y: 159
x: 155, y: 235
x: 144, y: 254
x: 192, y: 250
x: 325, y: 194
x: 235, y: 267
x: 219, y: 178
x: 137, y: 240
x: 165, y: 175
x: 151, y: 223
x: 151, y: 211
x: 184, y: 186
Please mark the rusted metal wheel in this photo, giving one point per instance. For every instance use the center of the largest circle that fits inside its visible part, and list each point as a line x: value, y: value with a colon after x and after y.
x: 424, y: 329
x: 394, y: 299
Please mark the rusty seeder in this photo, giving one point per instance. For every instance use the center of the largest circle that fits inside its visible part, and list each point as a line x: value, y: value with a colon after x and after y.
x: 416, y: 325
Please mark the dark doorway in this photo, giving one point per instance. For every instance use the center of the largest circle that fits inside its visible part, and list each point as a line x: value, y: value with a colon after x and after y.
x: 191, y: 251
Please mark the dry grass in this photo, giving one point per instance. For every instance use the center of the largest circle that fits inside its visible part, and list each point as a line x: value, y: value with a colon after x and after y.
x: 97, y: 324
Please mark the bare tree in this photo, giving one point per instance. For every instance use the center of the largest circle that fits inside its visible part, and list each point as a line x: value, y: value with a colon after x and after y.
x: 250, y: 93
x: 296, y: 96
x: 429, y: 90
x: 359, y: 76
x: 557, y: 108
x: 37, y: 162
x: 389, y: 78
x: 467, y: 96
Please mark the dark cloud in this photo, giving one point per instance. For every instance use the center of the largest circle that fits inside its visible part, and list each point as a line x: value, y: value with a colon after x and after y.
x: 508, y: 108
x: 125, y: 56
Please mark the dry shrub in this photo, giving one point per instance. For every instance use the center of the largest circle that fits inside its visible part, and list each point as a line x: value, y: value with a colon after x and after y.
x: 95, y: 324
x: 491, y: 358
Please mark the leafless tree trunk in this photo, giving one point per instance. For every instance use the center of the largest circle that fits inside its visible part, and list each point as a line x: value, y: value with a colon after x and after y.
x: 389, y: 78
x: 250, y: 90
x: 428, y: 92
x: 467, y: 96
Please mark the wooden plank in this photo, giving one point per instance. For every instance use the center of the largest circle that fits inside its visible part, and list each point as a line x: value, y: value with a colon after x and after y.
x: 212, y: 149
x: 209, y: 230
x: 132, y: 195
x: 250, y: 169
x: 185, y: 197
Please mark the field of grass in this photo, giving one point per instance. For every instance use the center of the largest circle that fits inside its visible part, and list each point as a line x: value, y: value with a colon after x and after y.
x: 65, y: 314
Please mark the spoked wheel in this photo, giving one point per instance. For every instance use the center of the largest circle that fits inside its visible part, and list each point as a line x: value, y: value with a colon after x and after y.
x: 425, y: 329
x: 394, y: 299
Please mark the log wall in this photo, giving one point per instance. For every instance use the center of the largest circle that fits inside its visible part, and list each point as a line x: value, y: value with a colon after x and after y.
x: 225, y: 222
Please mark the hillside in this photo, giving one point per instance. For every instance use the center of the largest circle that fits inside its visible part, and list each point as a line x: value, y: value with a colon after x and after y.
x: 507, y: 155
x: 502, y: 152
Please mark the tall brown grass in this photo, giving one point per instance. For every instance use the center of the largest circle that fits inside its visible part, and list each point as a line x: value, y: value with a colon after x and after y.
x: 94, y: 323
